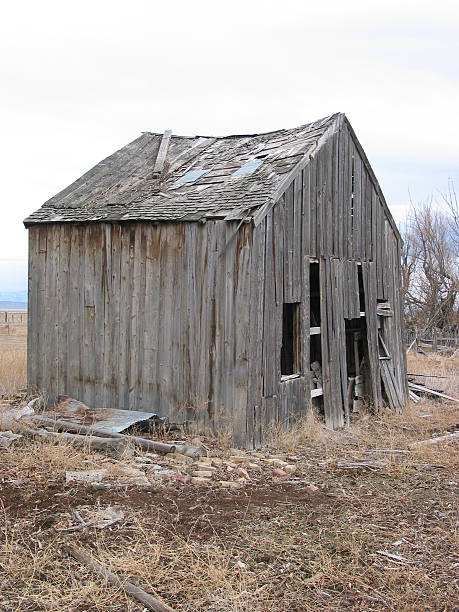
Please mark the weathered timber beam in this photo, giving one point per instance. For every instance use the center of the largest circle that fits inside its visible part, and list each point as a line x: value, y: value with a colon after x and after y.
x: 163, y: 147
x: 134, y: 591
x: 144, y: 443
x: 423, y: 389
x: 446, y: 438
x: 111, y: 445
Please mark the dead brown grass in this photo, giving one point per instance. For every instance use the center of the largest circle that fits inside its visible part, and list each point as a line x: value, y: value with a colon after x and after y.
x: 322, y: 541
x: 13, y: 363
x: 436, y: 365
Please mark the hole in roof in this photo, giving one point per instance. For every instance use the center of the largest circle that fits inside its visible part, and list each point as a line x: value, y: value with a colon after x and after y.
x: 248, y: 167
x: 191, y: 176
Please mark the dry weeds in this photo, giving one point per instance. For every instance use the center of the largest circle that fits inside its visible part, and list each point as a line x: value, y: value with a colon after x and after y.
x: 13, y: 364
x: 382, y: 537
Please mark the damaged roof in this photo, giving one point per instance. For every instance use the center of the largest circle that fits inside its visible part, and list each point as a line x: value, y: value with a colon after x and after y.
x: 201, y: 177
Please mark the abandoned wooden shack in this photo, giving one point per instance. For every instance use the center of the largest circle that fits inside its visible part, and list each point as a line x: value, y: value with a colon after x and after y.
x: 238, y: 281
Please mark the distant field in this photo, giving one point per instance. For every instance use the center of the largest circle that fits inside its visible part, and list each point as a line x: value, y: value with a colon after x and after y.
x: 13, y: 358
x: 17, y: 338
x: 13, y: 329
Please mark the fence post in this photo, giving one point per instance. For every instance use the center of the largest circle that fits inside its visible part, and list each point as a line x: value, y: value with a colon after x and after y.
x: 435, y: 340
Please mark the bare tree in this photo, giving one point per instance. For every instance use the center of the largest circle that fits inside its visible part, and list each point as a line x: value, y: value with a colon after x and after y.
x: 452, y: 204
x: 430, y: 264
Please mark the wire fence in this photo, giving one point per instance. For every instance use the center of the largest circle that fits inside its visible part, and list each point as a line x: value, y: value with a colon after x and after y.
x: 433, y: 339
x: 11, y: 320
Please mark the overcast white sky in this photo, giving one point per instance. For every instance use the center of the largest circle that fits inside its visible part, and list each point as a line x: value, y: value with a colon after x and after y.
x: 78, y: 80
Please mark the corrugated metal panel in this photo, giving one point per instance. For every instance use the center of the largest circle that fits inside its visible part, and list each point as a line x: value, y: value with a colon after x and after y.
x: 111, y: 420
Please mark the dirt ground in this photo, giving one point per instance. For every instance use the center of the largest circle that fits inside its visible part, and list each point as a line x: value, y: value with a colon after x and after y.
x: 352, y: 523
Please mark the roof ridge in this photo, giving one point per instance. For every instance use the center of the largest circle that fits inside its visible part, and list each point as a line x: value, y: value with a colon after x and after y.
x: 252, y: 135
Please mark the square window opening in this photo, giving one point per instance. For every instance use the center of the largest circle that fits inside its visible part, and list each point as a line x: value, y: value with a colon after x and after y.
x: 291, y: 339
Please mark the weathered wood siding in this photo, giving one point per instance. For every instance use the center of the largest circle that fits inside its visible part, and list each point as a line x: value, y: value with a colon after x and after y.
x: 143, y: 316
x: 333, y: 213
x: 185, y: 319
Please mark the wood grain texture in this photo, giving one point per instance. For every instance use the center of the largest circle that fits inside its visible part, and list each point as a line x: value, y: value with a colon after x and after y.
x: 185, y: 318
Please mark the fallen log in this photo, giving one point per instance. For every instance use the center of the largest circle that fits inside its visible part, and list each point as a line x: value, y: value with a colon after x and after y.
x: 143, y: 443
x: 438, y: 440
x: 110, y: 445
x: 134, y: 591
x: 70, y: 427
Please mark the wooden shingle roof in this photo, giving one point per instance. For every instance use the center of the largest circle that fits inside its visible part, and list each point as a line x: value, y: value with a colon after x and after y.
x: 241, y: 173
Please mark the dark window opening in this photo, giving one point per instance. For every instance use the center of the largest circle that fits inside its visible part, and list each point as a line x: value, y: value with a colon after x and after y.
x: 290, y: 353
x: 314, y: 291
x: 361, y: 289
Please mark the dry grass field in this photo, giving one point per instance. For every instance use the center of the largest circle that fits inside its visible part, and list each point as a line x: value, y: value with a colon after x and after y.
x: 381, y: 535
x: 13, y: 358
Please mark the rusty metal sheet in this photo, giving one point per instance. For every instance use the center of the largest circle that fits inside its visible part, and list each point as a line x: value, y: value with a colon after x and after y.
x: 111, y: 420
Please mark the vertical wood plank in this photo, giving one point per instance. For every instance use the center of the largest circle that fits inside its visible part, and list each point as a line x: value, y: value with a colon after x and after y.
x: 152, y: 318
x: 369, y: 279
x: 346, y: 193
x: 204, y: 271
x: 241, y: 322
x: 87, y: 389
x: 357, y: 223
x: 320, y: 197
x: 326, y: 383
x: 312, y: 168
x: 297, y: 281
x: 127, y: 243
x: 110, y: 326
x: 339, y: 195
x: 99, y: 277
x: 269, y: 322
x: 63, y: 306
x: 288, y: 247
x: 306, y: 212
x: 33, y: 308
x: 256, y: 352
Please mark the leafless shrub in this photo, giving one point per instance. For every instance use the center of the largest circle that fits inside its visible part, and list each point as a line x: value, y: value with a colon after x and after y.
x: 430, y: 265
